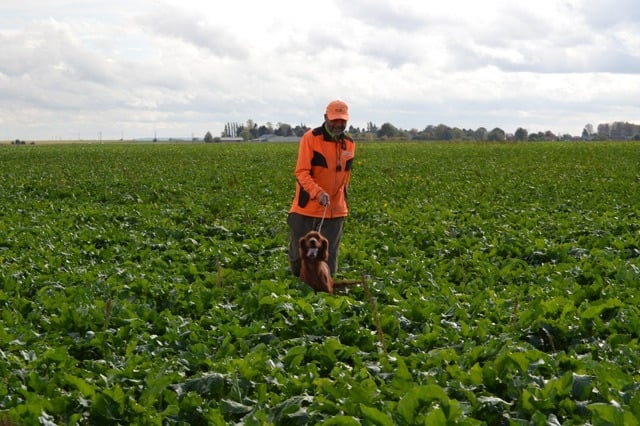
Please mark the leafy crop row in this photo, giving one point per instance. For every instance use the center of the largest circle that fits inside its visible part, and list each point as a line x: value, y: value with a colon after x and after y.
x: 149, y: 284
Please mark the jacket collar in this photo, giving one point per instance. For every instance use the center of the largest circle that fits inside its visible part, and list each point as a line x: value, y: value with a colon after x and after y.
x: 327, y: 137
x: 330, y: 137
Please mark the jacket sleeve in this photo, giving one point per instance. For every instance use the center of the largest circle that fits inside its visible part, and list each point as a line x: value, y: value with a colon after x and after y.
x: 303, y: 167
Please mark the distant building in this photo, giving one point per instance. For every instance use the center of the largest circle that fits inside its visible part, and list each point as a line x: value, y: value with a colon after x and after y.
x: 276, y: 138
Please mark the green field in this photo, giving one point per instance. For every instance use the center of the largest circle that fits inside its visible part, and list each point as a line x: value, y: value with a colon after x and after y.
x: 149, y: 285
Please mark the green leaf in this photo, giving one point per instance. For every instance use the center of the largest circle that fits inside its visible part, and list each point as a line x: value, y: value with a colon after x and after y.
x: 597, y: 309
x: 210, y: 384
x: 110, y: 403
x: 375, y: 416
x: 292, y: 406
x: 419, y: 398
x: 436, y: 417
x: 294, y: 356
x: 475, y: 374
x: 86, y: 389
x: 342, y: 421
x: 402, y: 380
x: 582, y: 387
x: 610, y: 415
x: 234, y: 407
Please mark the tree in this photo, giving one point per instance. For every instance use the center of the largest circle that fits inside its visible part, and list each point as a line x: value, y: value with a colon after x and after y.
x: 264, y: 130
x: 245, y: 133
x: 521, y: 134
x: 283, y: 129
x: 603, y: 132
x: 387, y: 130
x: 589, y: 128
x: 208, y: 137
x: 443, y: 133
x: 536, y: 137
x: 300, y: 129
x: 496, y: 134
x: 585, y: 134
x: 458, y: 134
x: 231, y: 130
x: 481, y: 134
x: 252, y: 131
x: 623, y: 130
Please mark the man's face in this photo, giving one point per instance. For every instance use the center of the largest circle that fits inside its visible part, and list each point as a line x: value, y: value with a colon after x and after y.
x: 337, y: 127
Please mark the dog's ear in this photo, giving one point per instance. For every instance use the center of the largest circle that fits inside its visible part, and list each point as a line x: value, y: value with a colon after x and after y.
x: 303, y: 242
x: 324, y: 248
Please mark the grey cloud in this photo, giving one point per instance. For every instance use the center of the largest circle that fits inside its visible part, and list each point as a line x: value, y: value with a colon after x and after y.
x: 48, y: 49
x: 323, y: 38
x: 382, y: 45
x: 190, y: 28
x: 47, y: 66
x: 393, y: 30
x: 526, y: 43
x: 390, y: 51
x: 382, y: 15
x: 603, y: 14
x: 542, y: 58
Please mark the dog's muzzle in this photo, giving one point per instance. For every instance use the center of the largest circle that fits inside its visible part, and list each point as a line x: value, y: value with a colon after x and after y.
x: 312, y: 252
x: 314, y: 246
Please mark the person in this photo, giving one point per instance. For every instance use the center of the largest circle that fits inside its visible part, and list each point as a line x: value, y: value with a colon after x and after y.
x: 323, y: 170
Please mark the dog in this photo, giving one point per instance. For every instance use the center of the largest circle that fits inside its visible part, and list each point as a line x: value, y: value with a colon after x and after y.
x: 314, y: 269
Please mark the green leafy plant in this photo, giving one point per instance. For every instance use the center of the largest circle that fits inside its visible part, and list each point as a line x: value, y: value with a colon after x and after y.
x: 149, y: 284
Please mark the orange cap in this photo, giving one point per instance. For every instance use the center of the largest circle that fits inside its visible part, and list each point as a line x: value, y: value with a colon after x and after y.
x: 337, y: 110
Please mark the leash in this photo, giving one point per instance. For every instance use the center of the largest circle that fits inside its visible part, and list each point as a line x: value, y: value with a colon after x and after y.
x: 324, y: 213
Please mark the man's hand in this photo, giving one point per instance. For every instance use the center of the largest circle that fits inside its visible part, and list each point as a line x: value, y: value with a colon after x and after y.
x: 323, y: 199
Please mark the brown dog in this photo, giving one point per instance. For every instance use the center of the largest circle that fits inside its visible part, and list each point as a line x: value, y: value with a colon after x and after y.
x: 314, y: 269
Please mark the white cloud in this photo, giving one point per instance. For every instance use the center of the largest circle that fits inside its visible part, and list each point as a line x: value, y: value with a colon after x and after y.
x: 73, y: 68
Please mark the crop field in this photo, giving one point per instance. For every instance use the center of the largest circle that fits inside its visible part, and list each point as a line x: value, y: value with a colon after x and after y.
x: 149, y: 285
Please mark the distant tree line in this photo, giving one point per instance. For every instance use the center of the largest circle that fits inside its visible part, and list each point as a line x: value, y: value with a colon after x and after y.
x: 251, y: 130
x: 609, y: 131
x: 617, y: 130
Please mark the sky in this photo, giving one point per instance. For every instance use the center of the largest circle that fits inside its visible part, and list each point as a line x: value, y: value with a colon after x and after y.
x: 112, y: 69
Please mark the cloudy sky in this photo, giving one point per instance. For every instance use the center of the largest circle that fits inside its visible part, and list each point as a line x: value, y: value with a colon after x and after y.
x: 84, y: 69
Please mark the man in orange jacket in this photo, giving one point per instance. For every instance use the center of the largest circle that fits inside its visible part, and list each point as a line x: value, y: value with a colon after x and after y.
x: 323, y: 169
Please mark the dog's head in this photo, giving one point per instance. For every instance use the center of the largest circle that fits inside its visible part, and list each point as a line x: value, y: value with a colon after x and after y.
x: 314, y: 246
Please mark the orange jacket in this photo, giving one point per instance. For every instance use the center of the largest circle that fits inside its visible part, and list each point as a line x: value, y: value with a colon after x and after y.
x: 324, y: 164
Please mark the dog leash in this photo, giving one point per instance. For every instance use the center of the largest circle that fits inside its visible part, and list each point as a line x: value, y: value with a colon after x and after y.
x: 323, y: 215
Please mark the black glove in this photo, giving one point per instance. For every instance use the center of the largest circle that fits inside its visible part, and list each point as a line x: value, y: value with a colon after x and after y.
x: 323, y: 199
